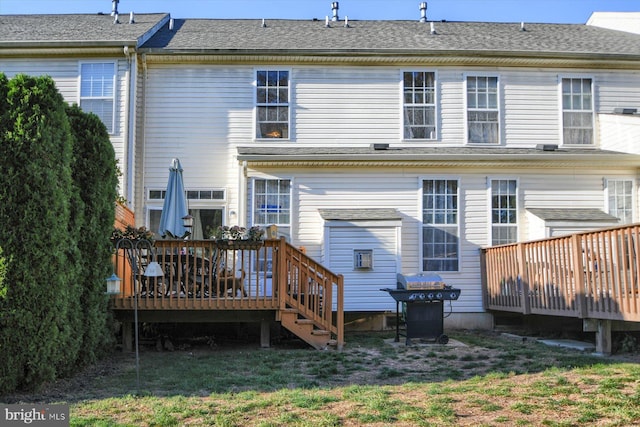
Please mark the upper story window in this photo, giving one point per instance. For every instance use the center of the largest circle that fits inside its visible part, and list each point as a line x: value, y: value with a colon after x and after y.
x: 97, y: 91
x: 419, y: 105
x: 483, y: 110
x: 272, y: 104
x: 577, y: 111
x: 440, y: 242
x: 504, y: 211
x: 620, y: 199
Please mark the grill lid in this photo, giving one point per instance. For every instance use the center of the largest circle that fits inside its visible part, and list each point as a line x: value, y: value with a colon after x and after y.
x: 420, y: 281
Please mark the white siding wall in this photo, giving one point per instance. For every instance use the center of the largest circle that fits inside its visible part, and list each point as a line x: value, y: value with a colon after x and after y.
x: 385, y: 188
x: 202, y: 113
x: 362, y: 287
x: 198, y: 114
x: 620, y: 132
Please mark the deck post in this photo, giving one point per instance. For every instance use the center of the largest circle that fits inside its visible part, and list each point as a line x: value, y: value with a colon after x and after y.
x: 579, y: 279
x: 127, y: 336
x: 603, y: 337
x: 265, y: 333
x: 524, y: 280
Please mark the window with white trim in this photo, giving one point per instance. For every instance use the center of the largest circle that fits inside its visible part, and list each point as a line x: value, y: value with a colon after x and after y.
x: 440, y: 241
x: 97, y: 91
x: 577, y: 111
x: 483, y: 110
x: 272, y: 202
x: 419, y: 89
x: 620, y: 199
x: 504, y: 211
x: 204, y: 207
x: 272, y: 104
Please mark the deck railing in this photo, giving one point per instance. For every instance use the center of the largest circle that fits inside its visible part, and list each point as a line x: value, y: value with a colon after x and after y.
x: 209, y: 275
x: 592, y: 275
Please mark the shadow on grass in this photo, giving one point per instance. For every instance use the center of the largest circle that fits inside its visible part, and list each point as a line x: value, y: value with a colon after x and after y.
x: 367, y: 359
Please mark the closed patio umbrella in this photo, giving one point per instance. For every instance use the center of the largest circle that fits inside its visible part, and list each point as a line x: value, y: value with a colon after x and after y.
x: 175, y: 204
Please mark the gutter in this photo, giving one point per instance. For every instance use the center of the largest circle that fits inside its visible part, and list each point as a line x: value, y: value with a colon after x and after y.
x: 418, y: 160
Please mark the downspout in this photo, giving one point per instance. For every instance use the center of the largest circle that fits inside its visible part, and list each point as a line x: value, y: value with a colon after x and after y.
x: 130, y: 113
x: 242, y: 194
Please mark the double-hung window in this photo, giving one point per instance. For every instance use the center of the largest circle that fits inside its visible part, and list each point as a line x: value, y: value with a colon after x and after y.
x: 483, y: 110
x: 504, y: 211
x: 272, y: 202
x: 577, y: 111
x: 272, y: 104
x: 620, y: 199
x: 97, y: 91
x: 419, y: 105
x: 440, y: 242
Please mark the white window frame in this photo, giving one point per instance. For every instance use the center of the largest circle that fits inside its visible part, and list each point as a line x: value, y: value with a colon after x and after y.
x: 592, y: 111
x: 253, y: 213
x: 111, y: 127
x: 490, y: 195
x: 258, y: 105
x: 435, y: 105
x: 456, y: 226
x: 497, y: 109
x: 611, y: 182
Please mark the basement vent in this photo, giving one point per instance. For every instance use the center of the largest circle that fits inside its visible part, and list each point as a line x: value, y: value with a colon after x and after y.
x: 379, y: 147
x: 547, y: 147
x: 625, y: 110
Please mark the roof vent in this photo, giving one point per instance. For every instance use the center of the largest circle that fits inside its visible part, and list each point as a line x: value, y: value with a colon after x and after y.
x: 326, y: 22
x: 625, y: 110
x: 131, y: 20
x: 264, y: 24
x: 346, y: 22
x: 433, y: 28
x: 423, y: 11
x: 171, y: 24
x: 522, y: 28
x: 547, y: 147
x: 114, y: 7
x: 115, y: 19
x: 334, y: 9
x: 380, y: 147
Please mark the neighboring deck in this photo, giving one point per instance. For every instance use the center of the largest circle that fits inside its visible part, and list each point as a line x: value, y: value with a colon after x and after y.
x: 592, y: 275
x: 207, y: 281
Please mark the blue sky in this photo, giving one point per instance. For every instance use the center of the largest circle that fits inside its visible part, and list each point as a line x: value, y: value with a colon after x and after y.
x: 551, y: 11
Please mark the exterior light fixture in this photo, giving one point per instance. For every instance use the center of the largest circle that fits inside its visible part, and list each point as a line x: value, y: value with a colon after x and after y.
x: 113, y: 284
x: 187, y: 221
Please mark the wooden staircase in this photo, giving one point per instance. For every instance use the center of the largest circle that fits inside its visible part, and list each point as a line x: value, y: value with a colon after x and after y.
x: 308, y: 293
x: 306, y: 330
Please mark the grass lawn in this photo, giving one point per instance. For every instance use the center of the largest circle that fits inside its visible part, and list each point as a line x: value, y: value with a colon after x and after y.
x: 479, y: 379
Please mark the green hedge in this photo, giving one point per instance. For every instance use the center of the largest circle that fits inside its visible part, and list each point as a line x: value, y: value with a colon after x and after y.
x: 53, y: 315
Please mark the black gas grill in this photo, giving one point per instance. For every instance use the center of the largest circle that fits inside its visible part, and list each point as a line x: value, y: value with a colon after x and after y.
x: 420, y: 299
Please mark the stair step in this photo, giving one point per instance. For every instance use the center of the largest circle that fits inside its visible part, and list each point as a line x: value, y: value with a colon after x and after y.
x: 332, y: 343
x: 319, y: 332
x: 304, y: 321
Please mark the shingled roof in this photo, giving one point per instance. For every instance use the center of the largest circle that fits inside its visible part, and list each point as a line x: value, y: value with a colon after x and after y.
x: 77, y: 30
x: 215, y: 35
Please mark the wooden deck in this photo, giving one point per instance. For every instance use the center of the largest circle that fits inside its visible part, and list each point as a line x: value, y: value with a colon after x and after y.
x: 593, y: 275
x: 207, y: 281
